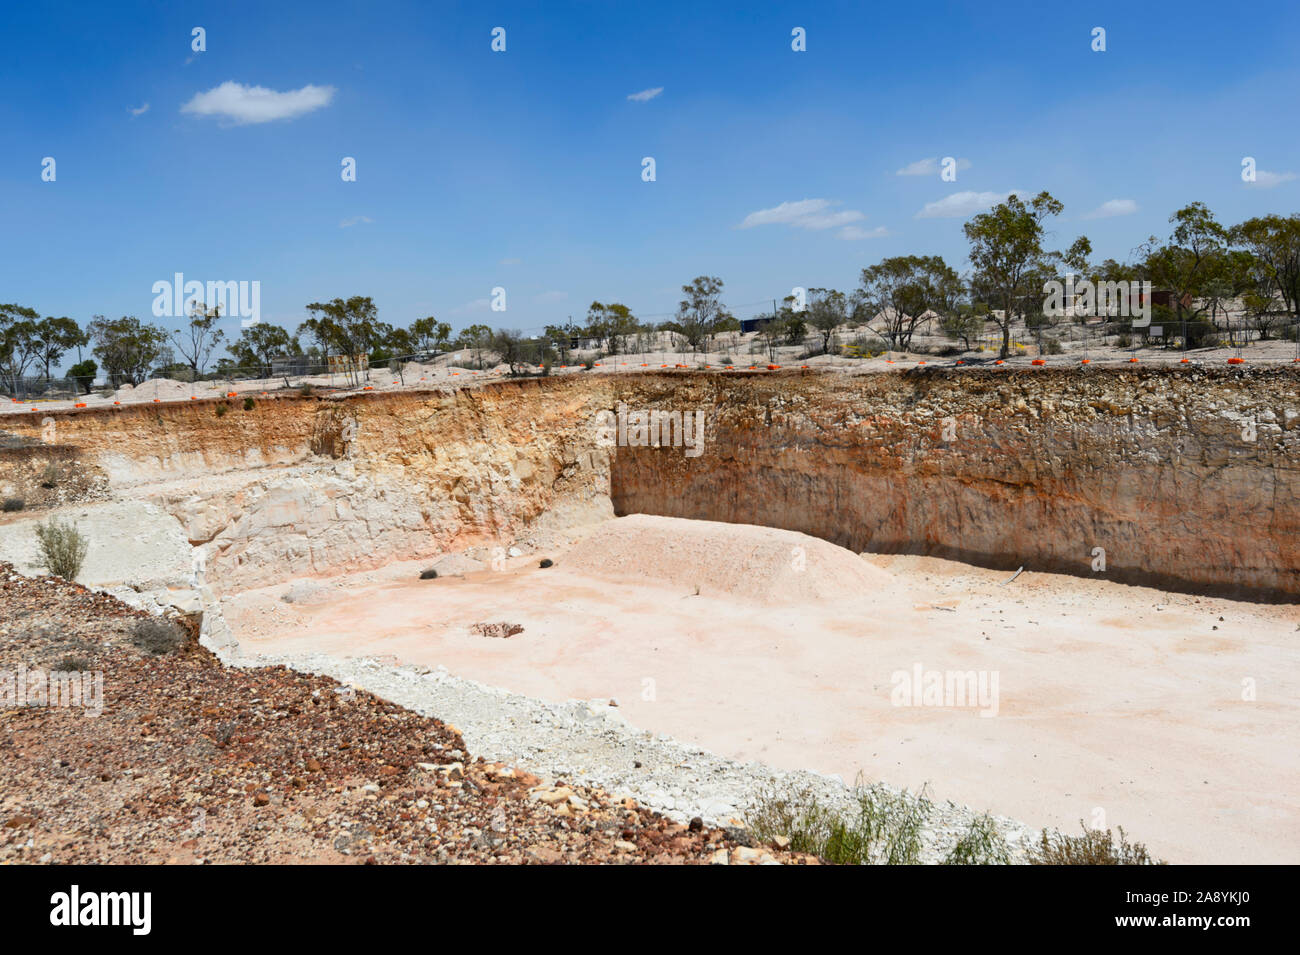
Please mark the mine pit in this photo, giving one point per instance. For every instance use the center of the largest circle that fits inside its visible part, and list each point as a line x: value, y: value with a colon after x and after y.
x: 837, y: 546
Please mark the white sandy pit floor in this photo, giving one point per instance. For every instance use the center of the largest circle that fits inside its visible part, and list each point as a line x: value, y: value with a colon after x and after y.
x: 1116, y: 705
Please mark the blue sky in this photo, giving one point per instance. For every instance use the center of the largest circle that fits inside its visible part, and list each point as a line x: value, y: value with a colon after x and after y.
x: 522, y: 169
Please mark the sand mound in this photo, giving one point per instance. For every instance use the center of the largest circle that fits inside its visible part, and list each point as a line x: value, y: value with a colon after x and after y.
x: 755, y: 563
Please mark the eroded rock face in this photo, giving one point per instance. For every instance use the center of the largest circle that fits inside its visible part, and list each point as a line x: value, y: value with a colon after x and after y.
x: 1187, y: 478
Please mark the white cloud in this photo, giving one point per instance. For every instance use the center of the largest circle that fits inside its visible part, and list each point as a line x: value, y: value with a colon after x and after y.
x: 853, y: 232
x: 1267, y: 180
x: 928, y: 167
x: 963, y: 204
x: 138, y: 110
x: 256, y: 104
x: 813, y: 214
x: 645, y: 96
x: 355, y: 220
x: 1113, y: 207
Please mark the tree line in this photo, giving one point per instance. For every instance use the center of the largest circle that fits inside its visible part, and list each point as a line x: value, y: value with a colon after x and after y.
x: 1201, y: 268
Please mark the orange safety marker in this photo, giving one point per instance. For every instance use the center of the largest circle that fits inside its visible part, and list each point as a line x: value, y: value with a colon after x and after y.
x: 920, y: 363
x: 960, y: 362
x: 731, y: 367
x: 1186, y: 361
x: 192, y: 398
x: 79, y: 404
x: 1235, y: 361
x: 157, y: 399
x: 1084, y: 361
x: 805, y: 367
x: 752, y: 367
x: 1038, y: 361
x: 1132, y: 361
x: 773, y: 367
x: 998, y: 362
x: 368, y: 388
x: 36, y: 409
x: 231, y: 394
x: 117, y: 402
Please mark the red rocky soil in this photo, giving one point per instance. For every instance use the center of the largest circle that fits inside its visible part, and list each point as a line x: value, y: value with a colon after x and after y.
x: 194, y: 762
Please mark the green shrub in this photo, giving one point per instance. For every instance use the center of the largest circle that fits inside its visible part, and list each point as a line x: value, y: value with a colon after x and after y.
x: 980, y: 844
x: 62, y: 547
x: 248, y: 403
x: 13, y: 504
x: 72, y: 664
x: 883, y: 828
x: 1094, y: 847
x: 50, y: 475
x: 222, y: 409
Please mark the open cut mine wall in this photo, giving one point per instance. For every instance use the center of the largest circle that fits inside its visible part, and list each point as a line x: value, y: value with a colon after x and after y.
x: 1185, y: 478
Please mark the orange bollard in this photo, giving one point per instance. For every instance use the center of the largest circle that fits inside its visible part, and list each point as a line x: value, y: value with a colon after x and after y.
x: 1236, y: 361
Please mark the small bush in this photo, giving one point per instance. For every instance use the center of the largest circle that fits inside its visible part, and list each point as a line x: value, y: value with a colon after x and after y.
x: 1052, y: 347
x: 429, y: 574
x: 1094, y: 847
x: 50, y: 475
x: 306, y: 391
x: 884, y: 829
x: 13, y: 504
x: 72, y: 664
x: 980, y: 844
x: 248, y: 403
x: 158, y: 636
x: 222, y: 409
x: 62, y: 547
x: 546, y: 562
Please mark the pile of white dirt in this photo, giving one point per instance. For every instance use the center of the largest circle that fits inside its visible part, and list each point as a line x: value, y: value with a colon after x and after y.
x: 762, y: 564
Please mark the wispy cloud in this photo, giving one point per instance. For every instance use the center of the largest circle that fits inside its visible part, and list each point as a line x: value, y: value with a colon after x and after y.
x: 853, y: 232
x: 1267, y: 180
x: 138, y: 110
x: 1113, y: 207
x: 812, y: 214
x: 963, y: 204
x: 928, y: 167
x: 243, y: 105
x: 645, y: 96
x: 355, y: 220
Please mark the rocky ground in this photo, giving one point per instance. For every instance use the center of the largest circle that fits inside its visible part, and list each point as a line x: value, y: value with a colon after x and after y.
x: 589, y: 742
x: 194, y: 762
